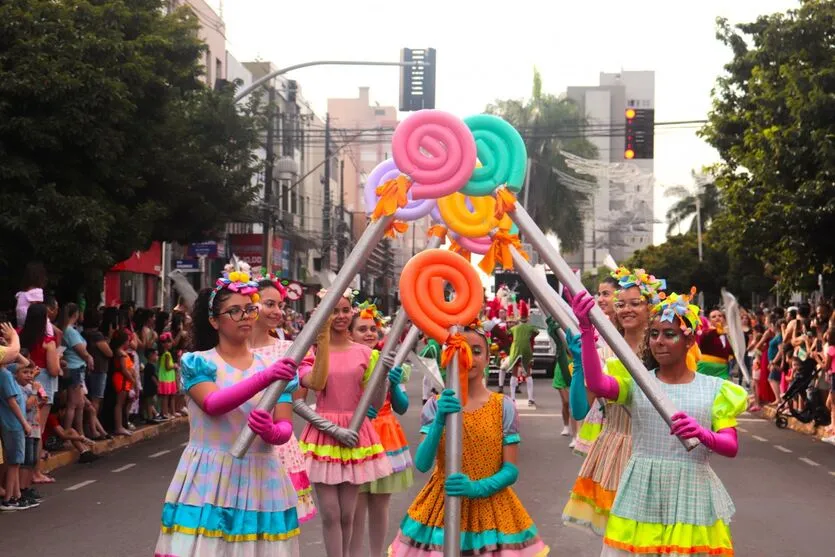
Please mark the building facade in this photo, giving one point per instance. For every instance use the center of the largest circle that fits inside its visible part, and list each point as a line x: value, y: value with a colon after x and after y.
x: 620, y: 218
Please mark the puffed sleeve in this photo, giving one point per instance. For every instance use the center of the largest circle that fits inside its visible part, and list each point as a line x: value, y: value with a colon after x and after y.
x: 427, y: 415
x: 730, y: 402
x: 372, y: 363
x: 615, y: 368
x: 510, y: 423
x: 195, y: 369
x: 287, y: 396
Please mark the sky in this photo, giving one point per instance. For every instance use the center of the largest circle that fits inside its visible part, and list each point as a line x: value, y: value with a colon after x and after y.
x: 487, y: 51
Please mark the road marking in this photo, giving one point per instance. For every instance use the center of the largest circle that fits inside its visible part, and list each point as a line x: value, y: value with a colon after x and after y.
x: 782, y: 449
x: 123, y: 468
x: 808, y: 461
x: 155, y: 455
x: 80, y: 485
x: 758, y: 438
x: 184, y: 444
x: 832, y: 473
x: 742, y: 429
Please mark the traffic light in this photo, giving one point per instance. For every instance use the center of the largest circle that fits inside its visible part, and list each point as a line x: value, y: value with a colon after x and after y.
x: 640, y: 133
x: 417, y: 83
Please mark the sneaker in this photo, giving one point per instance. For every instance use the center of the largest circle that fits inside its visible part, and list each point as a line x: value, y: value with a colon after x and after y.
x: 531, y: 403
x: 20, y: 504
x: 572, y: 444
x: 32, y: 494
x: 8, y: 506
x: 565, y: 432
x: 30, y: 503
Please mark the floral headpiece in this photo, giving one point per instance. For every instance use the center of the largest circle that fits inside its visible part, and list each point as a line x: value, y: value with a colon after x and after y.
x: 367, y: 310
x: 238, y: 282
x: 349, y: 294
x: 275, y: 280
x: 678, y: 306
x: 649, y: 286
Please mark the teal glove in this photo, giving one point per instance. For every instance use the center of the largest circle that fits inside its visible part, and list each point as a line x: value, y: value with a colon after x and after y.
x: 399, y: 400
x: 428, y: 448
x: 578, y: 400
x: 372, y: 413
x: 459, y: 485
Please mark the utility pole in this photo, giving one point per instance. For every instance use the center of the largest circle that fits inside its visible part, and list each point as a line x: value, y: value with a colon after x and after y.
x: 326, y: 204
x: 266, y: 260
x: 340, y: 240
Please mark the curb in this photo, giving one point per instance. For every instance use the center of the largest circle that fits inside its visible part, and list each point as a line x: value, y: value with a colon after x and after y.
x: 818, y: 432
x: 65, y: 458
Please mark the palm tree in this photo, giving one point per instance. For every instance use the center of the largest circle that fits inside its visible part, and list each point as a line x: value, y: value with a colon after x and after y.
x: 685, y: 207
x: 549, y: 125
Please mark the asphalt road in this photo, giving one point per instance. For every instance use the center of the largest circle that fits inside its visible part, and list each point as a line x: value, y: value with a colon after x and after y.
x: 783, y: 484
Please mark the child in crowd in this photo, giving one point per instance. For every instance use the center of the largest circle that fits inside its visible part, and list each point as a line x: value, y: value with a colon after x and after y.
x: 150, y: 386
x: 14, y: 428
x: 124, y: 377
x: 35, y: 398
x: 167, y: 377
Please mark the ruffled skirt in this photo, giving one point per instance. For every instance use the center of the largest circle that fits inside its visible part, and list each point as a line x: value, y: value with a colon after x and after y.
x: 397, y: 451
x: 590, y: 430
x: 222, y: 506
x: 330, y: 463
x: 291, y: 456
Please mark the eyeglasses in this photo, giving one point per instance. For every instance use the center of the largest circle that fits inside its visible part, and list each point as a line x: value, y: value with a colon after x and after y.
x: 634, y: 304
x: 239, y: 314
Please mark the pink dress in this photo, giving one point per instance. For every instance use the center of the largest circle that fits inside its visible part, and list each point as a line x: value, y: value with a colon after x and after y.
x: 290, y: 453
x: 328, y: 462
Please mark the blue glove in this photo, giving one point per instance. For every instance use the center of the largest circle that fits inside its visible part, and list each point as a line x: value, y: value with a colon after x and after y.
x: 578, y: 400
x: 459, y: 485
x: 428, y: 448
x: 399, y: 400
x: 372, y: 413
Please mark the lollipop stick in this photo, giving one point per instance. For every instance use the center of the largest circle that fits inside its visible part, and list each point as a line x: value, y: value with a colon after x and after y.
x: 639, y: 373
x: 370, y: 238
x: 452, y: 465
x: 377, y: 385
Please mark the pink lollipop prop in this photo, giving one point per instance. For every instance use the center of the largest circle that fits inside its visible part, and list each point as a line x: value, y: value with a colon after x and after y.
x: 381, y: 174
x: 479, y: 246
x: 436, y: 150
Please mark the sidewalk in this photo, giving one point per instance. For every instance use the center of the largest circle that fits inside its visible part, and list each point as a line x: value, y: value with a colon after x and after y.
x: 64, y: 458
x: 795, y: 425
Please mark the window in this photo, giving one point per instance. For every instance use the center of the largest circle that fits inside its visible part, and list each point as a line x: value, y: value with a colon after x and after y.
x: 379, y: 112
x: 294, y: 196
x: 285, y: 201
x: 218, y: 69
x: 303, y: 201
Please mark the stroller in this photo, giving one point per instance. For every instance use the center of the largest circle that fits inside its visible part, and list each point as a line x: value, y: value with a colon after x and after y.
x: 814, y: 408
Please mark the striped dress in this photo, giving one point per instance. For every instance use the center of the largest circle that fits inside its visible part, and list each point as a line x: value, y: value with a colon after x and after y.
x: 217, y: 504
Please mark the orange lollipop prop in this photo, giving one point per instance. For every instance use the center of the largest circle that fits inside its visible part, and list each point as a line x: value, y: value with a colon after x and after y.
x: 422, y: 285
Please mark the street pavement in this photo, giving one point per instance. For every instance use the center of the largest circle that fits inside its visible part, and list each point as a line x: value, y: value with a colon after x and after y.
x: 783, y: 484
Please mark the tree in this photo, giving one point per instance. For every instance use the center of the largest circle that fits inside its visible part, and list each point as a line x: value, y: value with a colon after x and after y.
x: 549, y: 125
x: 772, y: 123
x: 685, y: 207
x: 108, y: 138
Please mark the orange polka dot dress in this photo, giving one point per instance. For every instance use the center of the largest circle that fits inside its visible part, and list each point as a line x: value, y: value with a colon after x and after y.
x: 494, y: 526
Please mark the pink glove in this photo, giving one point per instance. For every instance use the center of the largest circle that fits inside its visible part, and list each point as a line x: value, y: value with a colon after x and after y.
x: 723, y: 442
x: 597, y: 382
x: 227, y: 399
x: 274, y: 433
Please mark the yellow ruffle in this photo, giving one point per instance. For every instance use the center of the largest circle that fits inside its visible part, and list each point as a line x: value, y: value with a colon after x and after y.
x: 339, y: 452
x: 731, y: 401
x: 682, y: 539
x: 230, y: 537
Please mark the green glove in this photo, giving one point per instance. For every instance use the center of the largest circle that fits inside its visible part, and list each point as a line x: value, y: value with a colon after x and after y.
x: 459, y: 485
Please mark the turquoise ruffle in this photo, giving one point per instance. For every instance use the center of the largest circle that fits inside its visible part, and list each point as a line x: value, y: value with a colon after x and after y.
x: 470, y: 541
x: 287, y: 396
x: 232, y: 522
x: 396, y: 452
x: 195, y: 369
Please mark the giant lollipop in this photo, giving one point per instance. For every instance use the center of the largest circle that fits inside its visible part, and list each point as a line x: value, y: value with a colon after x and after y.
x: 422, y: 285
x: 383, y: 173
x: 501, y: 151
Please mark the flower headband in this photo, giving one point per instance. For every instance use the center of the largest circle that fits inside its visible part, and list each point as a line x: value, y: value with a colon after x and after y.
x: 349, y: 294
x: 276, y: 282
x: 649, y: 286
x: 238, y: 282
x: 367, y: 310
x: 679, y: 306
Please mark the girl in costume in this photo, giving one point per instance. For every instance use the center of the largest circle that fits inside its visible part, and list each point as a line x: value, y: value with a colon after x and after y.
x: 375, y: 497
x: 597, y: 484
x: 336, y: 470
x: 521, y: 353
x: 167, y: 376
x: 670, y: 502
x: 218, y: 504
x: 715, y: 348
x: 312, y: 373
x: 493, y: 520
x: 585, y: 406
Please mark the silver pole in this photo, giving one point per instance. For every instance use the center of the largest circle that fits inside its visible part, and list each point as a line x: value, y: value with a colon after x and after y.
x: 377, y: 382
x: 272, y: 75
x: 372, y: 235
x: 452, y: 464
x: 607, y: 330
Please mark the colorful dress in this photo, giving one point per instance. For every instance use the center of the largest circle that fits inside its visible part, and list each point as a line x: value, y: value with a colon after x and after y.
x: 670, y: 501
x: 716, y: 351
x: 166, y: 375
x: 394, y: 441
x: 217, y: 504
x: 327, y: 461
x: 290, y: 452
x: 521, y: 349
x: 494, y: 526
x: 594, y: 491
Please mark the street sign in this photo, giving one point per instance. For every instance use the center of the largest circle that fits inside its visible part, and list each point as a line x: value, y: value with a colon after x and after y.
x: 187, y: 265
x: 203, y: 249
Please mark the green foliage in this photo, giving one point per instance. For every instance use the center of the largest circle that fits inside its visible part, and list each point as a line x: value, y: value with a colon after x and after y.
x: 685, y: 207
x: 108, y: 138
x: 549, y: 124
x: 773, y: 123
